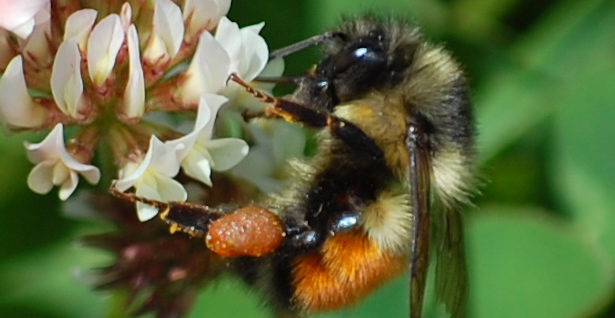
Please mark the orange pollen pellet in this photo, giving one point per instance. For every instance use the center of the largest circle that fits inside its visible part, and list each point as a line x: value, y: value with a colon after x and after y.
x: 249, y: 231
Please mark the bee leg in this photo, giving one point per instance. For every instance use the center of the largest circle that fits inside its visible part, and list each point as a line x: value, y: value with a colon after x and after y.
x: 295, y: 112
x: 249, y: 231
x: 193, y: 219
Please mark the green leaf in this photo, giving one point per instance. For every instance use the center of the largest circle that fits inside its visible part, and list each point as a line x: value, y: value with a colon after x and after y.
x: 583, y: 173
x: 228, y: 298
x: 30, y: 221
x: 524, y: 265
x: 549, y: 62
x: 390, y: 300
x: 328, y: 14
x: 45, y: 282
x: 509, y: 106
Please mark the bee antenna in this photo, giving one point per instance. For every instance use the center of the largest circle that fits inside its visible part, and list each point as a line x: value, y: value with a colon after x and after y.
x: 299, y: 46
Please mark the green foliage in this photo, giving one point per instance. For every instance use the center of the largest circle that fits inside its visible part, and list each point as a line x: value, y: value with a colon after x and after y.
x: 541, y: 239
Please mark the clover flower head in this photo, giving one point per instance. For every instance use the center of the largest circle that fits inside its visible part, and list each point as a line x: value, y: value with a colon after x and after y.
x: 123, y: 79
x: 101, y: 67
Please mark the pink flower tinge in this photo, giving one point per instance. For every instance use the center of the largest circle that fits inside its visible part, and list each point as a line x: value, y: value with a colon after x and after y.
x: 20, y: 17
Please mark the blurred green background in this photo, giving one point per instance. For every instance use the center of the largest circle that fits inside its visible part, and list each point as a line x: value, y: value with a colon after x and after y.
x: 541, y: 239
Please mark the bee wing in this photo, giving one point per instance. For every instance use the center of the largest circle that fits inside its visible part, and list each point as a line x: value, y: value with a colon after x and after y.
x: 419, y: 180
x: 451, y: 272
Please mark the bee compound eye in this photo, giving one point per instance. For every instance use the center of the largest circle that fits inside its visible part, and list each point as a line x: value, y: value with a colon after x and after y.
x: 363, y: 55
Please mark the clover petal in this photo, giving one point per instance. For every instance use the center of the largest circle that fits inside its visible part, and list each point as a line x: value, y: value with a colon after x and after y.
x: 246, y: 48
x: 160, y: 157
x: 159, y: 187
x: 152, y: 178
x: 78, y: 26
x: 168, y: 24
x: 39, y: 179
x: 204, y: 14
x: 133, y: 102
x: 255, y: 53
x: 17, y: 109
x: 167, y: 33
x: 66, y: 83
x: 199, y: 154
x: 208, y: 70
x: 104, y: 43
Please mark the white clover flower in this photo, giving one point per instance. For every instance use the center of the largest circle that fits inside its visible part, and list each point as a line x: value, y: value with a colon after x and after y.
x: 79, y: 25
x: 204, y: 14
x: 94, y: 70
x: 37, y: 48
x: 208, y: 70
x: 246, y: 48
x: 55, y: 166
x: 103, y: 46
x: 19, y: 16
x: 167, y: 32
x: 132, y: 105
x: 198, y: 153
x: 231, y: 50
x: 152, y: 178
x: 17, y: 109
x: 66, y: 83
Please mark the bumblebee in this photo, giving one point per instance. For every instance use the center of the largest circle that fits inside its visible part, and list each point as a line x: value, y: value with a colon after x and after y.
x: 396, y: 142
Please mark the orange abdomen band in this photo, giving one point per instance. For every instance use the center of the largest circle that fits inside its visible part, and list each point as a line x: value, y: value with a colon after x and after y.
x: 344, y: 270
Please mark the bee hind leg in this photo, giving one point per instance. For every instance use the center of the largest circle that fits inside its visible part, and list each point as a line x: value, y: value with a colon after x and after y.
x: 193, y: 219
x: 248, y: 231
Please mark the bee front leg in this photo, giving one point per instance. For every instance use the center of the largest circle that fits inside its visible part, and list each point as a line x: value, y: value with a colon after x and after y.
x: 295, y: 112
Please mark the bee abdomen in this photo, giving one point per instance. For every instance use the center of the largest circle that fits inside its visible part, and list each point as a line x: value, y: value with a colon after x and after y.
x: 344, y: 270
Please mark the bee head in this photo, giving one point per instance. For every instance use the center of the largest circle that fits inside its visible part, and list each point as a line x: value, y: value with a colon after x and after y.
x: 362, y: 55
